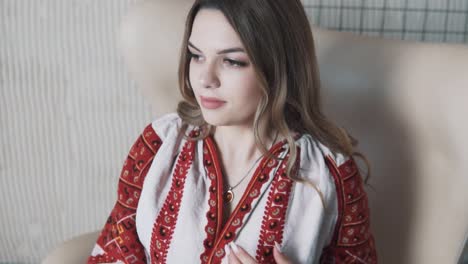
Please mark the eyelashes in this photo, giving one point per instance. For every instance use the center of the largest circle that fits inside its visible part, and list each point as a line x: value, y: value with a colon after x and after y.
x: 233, y: 63
x: 191, y: 55
x: 236, y: 63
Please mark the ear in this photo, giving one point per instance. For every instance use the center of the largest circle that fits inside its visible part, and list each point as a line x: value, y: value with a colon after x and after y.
x: 150, y: 38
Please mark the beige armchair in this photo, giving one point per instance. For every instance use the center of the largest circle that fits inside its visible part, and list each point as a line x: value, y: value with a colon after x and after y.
x: 407, y: 103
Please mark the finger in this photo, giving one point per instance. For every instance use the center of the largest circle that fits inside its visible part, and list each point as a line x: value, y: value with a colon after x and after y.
x: 232, y: 258
x: 279, y: 257
x: 225, y: 260
x: 241, y: 254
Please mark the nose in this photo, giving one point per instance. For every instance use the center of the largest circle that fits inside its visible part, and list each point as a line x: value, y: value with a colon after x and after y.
x: 209, y: 78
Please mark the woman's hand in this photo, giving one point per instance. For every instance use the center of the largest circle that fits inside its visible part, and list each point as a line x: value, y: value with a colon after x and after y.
x: 237, y: 255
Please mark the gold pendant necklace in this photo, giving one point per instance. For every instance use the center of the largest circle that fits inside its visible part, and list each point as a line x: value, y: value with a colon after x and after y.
x: 229, y: 194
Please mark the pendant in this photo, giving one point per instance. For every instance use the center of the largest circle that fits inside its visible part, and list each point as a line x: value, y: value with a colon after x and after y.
x: 229, y: 196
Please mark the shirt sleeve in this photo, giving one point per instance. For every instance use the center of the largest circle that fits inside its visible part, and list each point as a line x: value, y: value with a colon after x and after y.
x: 353, y: 241
x: 118, y: 241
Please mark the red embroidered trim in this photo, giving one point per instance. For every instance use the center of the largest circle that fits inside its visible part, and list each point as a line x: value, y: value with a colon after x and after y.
x: 352, y: 240
x: 165, y: 224
x: 215, y: 212
x: 119, y: 238
x: 275, y: 212
x: 101, y: 259
x: 260, y: 177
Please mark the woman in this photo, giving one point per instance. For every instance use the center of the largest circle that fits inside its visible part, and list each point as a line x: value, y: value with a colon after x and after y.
x: 248, y: 170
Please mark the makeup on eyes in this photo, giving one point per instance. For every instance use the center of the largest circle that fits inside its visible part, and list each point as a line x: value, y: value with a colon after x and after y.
x: 232, y: 62
x: 224, y: 51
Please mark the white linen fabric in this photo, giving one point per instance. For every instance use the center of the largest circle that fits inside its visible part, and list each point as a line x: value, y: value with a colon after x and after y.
x: 174, y: 223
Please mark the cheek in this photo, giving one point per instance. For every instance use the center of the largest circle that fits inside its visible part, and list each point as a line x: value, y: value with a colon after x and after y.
x: 193, y: 79
x: 238, y: 84
x: 247, y: 87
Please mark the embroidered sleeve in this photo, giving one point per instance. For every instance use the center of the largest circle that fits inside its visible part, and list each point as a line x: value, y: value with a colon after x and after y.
x: 118, y: 241
x: 352, y: 240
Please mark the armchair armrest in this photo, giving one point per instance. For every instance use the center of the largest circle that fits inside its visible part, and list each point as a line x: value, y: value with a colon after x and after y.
x: 75, y: 250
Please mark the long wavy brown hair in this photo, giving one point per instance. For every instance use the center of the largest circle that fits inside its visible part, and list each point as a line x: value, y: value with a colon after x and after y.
x: 278, y: 40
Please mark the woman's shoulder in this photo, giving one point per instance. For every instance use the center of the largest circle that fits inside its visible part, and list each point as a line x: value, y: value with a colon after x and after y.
x: 168, y: 126
x: 314, y: 152
x: 340, y: 165
x: 323, y: 167
x: 163, y: 130
x: 339, y: 180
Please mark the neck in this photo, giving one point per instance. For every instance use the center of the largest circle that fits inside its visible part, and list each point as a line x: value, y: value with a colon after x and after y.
x: 237, y: 143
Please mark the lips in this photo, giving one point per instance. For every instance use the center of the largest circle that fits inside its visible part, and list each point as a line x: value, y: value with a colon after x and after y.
x: 211, y: 102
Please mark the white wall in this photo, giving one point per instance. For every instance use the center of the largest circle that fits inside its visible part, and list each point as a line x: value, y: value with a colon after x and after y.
x: 68, y: 115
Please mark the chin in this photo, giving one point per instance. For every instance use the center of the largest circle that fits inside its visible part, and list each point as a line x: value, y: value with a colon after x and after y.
x: 225, y: 119
x: 215, y: 117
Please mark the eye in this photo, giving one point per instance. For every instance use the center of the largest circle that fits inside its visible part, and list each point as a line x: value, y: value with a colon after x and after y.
x: 194, y: 56
x: 235, y: 63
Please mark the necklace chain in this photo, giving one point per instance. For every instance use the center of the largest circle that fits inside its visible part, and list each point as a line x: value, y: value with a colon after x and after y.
x: 253, y: 165
x: 231, y: 188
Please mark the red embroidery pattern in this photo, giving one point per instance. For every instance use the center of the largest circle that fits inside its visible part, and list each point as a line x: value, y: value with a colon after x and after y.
x: 275, y: 213
x: 165, y: 224
x: 119, y: 238
x: 352, y: 241
x: 260, y: 177
x: 101, y: 259
x: 215, y: 212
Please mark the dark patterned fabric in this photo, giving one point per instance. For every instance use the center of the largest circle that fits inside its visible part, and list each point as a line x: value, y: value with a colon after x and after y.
x: 353, y: 241
x: 119, y: 238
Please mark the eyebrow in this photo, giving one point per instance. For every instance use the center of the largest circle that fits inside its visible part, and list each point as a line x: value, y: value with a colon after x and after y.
x: 221, y: 51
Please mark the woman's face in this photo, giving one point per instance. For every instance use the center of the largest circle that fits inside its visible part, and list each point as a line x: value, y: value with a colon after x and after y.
x: 220, y: 69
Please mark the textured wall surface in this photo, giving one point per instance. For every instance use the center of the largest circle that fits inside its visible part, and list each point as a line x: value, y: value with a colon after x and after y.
x: 69, y: 111
x: 420, y: 20
x: 68, y: 114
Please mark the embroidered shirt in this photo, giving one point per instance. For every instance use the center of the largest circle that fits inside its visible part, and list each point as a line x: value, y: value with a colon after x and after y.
x: 169, y: 207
